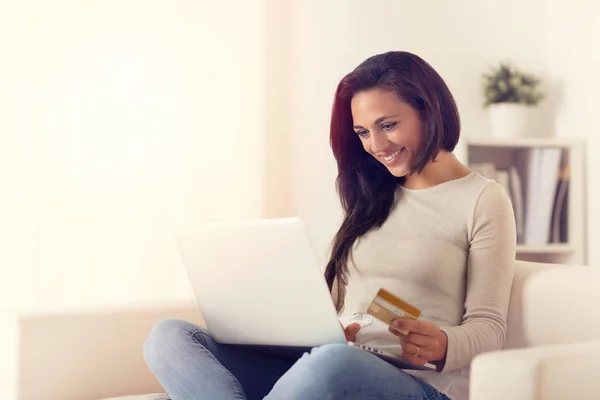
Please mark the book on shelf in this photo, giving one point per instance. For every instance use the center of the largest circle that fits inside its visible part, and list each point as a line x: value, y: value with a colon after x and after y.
x: 543, y: 173
x: 537, y: 184
x: 559, y: 232
x: 516, y: 189
x: 509, y: 179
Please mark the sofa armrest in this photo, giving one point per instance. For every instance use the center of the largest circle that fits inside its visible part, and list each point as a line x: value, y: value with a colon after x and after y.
x: 567, y: 320
x: 566, y: 371
x: 82, y: 354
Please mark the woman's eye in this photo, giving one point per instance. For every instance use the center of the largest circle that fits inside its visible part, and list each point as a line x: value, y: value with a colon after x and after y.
x: 389, y: 126
x: 363, y: 134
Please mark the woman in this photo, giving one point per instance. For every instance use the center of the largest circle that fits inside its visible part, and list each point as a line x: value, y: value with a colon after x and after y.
x: 417, y: 222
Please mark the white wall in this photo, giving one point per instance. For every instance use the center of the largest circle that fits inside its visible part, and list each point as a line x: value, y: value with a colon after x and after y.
x: 573, y: 61
x: 277, y: 132
x: 122, y: 117
x: 328, y: 39
x: 17, y: 192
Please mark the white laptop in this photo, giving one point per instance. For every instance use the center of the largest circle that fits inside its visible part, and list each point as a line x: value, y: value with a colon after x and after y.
x: 258, y: 283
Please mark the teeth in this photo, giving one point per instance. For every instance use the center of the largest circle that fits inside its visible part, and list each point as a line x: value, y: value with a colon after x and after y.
x: 391, y: 156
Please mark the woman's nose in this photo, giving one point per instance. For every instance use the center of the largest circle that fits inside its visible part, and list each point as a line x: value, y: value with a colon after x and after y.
x: 379, y: 143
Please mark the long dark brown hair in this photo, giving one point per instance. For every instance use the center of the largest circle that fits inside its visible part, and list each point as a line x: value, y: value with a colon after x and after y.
x: 366, y: 188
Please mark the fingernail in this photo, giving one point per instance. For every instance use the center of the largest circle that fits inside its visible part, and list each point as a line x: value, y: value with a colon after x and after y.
x: 397, y: 322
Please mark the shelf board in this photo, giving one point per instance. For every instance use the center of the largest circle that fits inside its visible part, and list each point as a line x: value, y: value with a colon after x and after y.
x: 551, y: 248
x: 523, y: 142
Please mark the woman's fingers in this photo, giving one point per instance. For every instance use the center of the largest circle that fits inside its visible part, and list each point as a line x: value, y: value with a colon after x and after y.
x: 417, y: 338
x: 414, y: 325
x: 351, y: 331
x: 416, y: 354
x: 429, y: 342
x: 418, y: 348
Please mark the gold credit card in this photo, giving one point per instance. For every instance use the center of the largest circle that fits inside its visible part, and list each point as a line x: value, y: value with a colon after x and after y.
x: 386, y: 307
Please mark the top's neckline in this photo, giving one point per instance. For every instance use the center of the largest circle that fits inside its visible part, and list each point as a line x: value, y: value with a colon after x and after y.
x: 439, y: 185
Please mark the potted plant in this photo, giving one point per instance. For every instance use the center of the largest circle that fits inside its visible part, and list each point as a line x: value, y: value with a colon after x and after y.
x: 509, y: 95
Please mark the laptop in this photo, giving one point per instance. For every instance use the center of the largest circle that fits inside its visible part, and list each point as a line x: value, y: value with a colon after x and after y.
x: 259, y: 285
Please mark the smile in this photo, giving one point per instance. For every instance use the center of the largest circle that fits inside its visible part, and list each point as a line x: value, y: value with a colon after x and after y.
x: 392, y: 156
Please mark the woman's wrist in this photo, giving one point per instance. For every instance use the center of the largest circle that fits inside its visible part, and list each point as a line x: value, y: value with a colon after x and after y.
x: 440, y: 359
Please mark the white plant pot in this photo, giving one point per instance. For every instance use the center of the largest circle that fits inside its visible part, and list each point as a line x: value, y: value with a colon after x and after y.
x: 509, y: 120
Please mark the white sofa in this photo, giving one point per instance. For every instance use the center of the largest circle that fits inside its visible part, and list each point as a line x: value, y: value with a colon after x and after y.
x: 83, y: 354
x: 552, y: 346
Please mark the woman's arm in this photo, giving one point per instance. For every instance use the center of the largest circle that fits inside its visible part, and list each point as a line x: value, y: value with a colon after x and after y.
x: 490, y: 271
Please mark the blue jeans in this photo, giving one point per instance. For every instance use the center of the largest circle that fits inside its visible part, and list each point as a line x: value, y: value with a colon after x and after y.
x: 189, y: 364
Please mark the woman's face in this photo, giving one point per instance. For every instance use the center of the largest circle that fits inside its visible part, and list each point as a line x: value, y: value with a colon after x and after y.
x: 389, y: 129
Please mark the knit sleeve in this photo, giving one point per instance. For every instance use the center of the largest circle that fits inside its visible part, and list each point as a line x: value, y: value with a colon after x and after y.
x: 490, y: 271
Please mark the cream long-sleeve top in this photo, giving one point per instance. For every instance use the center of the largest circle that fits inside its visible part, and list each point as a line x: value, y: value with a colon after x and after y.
x: 450, y: 251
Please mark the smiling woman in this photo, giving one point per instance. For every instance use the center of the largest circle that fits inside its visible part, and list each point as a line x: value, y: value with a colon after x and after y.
x: 404, y: 117
x: 418, y: 223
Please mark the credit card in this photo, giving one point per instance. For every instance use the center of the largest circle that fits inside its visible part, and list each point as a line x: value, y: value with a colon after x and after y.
x: 386, y: 307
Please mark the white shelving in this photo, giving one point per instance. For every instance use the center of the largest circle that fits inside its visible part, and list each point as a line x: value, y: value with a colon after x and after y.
x: 552, y: 248
x: 503, y: 154
x: 525, y: 142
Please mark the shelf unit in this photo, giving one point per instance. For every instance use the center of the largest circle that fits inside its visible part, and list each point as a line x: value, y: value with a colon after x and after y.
x: 503, y: 154
x: 551, y: 248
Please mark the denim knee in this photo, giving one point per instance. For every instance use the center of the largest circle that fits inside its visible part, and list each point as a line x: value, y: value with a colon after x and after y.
x: 333, y: 357
x: 160, y: 347
x: 320, y: 374
x: 329, y: 364
x: 335, y: 366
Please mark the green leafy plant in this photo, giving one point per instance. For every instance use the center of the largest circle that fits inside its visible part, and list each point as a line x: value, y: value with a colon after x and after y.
x: 507, y: 84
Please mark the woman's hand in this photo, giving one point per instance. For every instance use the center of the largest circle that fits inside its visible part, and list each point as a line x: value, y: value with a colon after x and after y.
x: 425, y: 342
x: 351, y: 331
